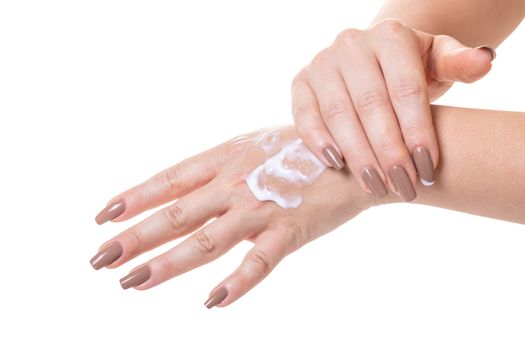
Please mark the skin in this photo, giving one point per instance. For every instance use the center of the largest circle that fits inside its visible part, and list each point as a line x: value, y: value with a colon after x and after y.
x: 368, y: 93
x: 483, y: 162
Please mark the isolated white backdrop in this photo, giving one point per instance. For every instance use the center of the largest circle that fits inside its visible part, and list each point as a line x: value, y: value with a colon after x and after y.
x: 96, y: 96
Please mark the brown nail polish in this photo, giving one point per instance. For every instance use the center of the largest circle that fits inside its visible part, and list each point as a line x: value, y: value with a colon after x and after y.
x: 402, y: 183
x: 488, y: 49
x: 333, y: 157
x: 106, y: 256
x: 216, y: 298
x: 424, y: 166
x: 110, y: 212
x: 136, y: 278
x: 373, y: 180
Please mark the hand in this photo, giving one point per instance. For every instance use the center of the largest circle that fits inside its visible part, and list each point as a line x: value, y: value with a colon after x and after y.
x: 211, y: 185
x: 366, y: 98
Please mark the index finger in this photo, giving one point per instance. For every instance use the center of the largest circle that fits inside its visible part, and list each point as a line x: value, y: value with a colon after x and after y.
x: 163, y: 187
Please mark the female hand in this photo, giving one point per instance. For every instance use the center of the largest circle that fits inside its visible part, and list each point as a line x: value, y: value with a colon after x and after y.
x: 366, y: 98
x: 212, y: 185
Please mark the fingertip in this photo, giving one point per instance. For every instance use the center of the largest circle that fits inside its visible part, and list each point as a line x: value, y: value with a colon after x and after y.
x: 486, y: 51
x: 479, y: 64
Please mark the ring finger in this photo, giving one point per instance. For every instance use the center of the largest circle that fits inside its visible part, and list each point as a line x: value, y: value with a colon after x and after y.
x: 205, y: 245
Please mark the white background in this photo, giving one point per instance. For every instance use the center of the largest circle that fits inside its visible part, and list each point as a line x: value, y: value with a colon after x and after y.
x: 96, y: 96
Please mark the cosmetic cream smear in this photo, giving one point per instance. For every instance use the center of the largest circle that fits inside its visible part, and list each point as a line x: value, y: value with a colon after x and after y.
x: 281, y: 177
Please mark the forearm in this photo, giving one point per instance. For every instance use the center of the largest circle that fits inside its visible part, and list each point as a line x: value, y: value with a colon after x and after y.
x: 472, y: 22
x: 482, y: 166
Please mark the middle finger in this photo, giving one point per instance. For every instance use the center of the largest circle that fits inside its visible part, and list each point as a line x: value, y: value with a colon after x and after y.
x: 365, y: 83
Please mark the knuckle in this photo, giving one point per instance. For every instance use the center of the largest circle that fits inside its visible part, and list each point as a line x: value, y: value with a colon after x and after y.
x: 349, y: 37
x: 334, y: 109
x: 369, y: 101
x: 299, y: 78
x: 138, y: 245
x: 298, y: 236
x: 259, y: 261
x: 407, y: 90
x: 391, y: 27
x: 171, y: 178
x: 204, y: 241
x: 320, y: 60
x: 175, y: 216
x: 295, y: 236
x: 302, y: 111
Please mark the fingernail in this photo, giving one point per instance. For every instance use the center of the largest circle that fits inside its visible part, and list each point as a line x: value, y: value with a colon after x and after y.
x: 402, y: 183
x: 136, y: 278
x: 333, y: 157
x: 110, y: 212
x: 106, y: 256
x: 488, y: 49
x: 425, y: 168
x: 373, y: 181
x: 216, y: 297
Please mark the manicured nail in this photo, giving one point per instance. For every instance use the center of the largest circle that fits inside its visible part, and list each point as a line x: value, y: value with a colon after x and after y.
x: 488, y: 49
x: 110, y: 212
x: 136, y: 278
x: 425, y: 168
x: 333, y: 157
x: 216, y: 297
x: 373, y: 181
x: 402, y: 183
x: 106, y: 256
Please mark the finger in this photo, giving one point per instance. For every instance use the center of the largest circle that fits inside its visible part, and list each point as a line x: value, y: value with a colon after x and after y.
x: 405, y: 78
x: 310, y: 127
x: 203, y: 246
x: 171, y: 222
x: 452, y: 61
x: 163, y: 187
x: 365, y: 82
x: 269, y: 249
x: 344, y: 125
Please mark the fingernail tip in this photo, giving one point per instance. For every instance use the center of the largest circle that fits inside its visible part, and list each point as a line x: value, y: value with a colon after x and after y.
x: 216, y: 298
x: 112, y: 211
x: 99, y: 221
x: 136, y: 277
x: 427, y: 183
x: 95, y: 266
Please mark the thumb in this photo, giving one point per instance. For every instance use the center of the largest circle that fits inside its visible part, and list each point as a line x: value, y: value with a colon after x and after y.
x: 452, y: 61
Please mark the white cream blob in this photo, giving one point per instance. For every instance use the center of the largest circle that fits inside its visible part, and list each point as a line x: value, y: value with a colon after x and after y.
x: 281, y: 177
